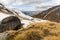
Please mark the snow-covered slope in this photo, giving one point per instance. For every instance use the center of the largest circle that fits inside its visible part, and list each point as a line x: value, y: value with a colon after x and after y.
x: 25, y: 19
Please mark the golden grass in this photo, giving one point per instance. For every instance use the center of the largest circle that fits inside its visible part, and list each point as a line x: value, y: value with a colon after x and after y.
x: 38, y: 31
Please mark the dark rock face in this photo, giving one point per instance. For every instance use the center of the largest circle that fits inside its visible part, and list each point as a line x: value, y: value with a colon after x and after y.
x: 52, y: 14
x: 10, y: 23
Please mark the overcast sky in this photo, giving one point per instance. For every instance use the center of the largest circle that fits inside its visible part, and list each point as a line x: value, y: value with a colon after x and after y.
x: 30, y: 5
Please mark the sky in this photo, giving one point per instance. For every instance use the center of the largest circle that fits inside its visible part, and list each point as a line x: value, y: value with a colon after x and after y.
x: 30, y: 5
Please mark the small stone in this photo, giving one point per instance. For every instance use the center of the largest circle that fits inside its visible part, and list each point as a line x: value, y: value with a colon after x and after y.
x: 3, y: 36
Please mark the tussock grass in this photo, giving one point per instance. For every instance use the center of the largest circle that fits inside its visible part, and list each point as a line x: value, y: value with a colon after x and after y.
x: 38, y: 31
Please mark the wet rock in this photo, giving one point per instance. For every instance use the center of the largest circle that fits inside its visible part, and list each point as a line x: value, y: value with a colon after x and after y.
x: 10, y: 23
x: 52, y: 14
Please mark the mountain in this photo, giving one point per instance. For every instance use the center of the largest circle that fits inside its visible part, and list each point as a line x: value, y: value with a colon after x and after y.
x: 52, y: 14
x: 31, y: 13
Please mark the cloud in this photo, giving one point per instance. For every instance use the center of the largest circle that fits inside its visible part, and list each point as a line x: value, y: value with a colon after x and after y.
x: 6, y: 1
x: 23, y: 2
x: 31, y: 4
x: 58, y: 2
x: 18, y: 2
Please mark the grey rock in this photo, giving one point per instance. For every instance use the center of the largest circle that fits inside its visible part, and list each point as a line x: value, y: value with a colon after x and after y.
x: 10, y: 23
x: 4, y: 36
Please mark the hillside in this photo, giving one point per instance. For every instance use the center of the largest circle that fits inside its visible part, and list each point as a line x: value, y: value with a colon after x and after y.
x: 52, y: 14
x: 38, y: 31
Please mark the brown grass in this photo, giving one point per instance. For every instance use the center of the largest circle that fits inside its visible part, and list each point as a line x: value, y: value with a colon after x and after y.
x: 39, y: 31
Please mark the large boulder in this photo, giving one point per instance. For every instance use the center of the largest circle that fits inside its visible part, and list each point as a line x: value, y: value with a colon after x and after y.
x: 10, y: 23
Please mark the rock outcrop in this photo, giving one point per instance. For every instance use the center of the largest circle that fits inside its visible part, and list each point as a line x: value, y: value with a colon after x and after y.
x: 10, y: 23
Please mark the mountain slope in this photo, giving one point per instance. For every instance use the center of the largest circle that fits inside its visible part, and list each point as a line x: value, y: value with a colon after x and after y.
x: 52, y: 14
